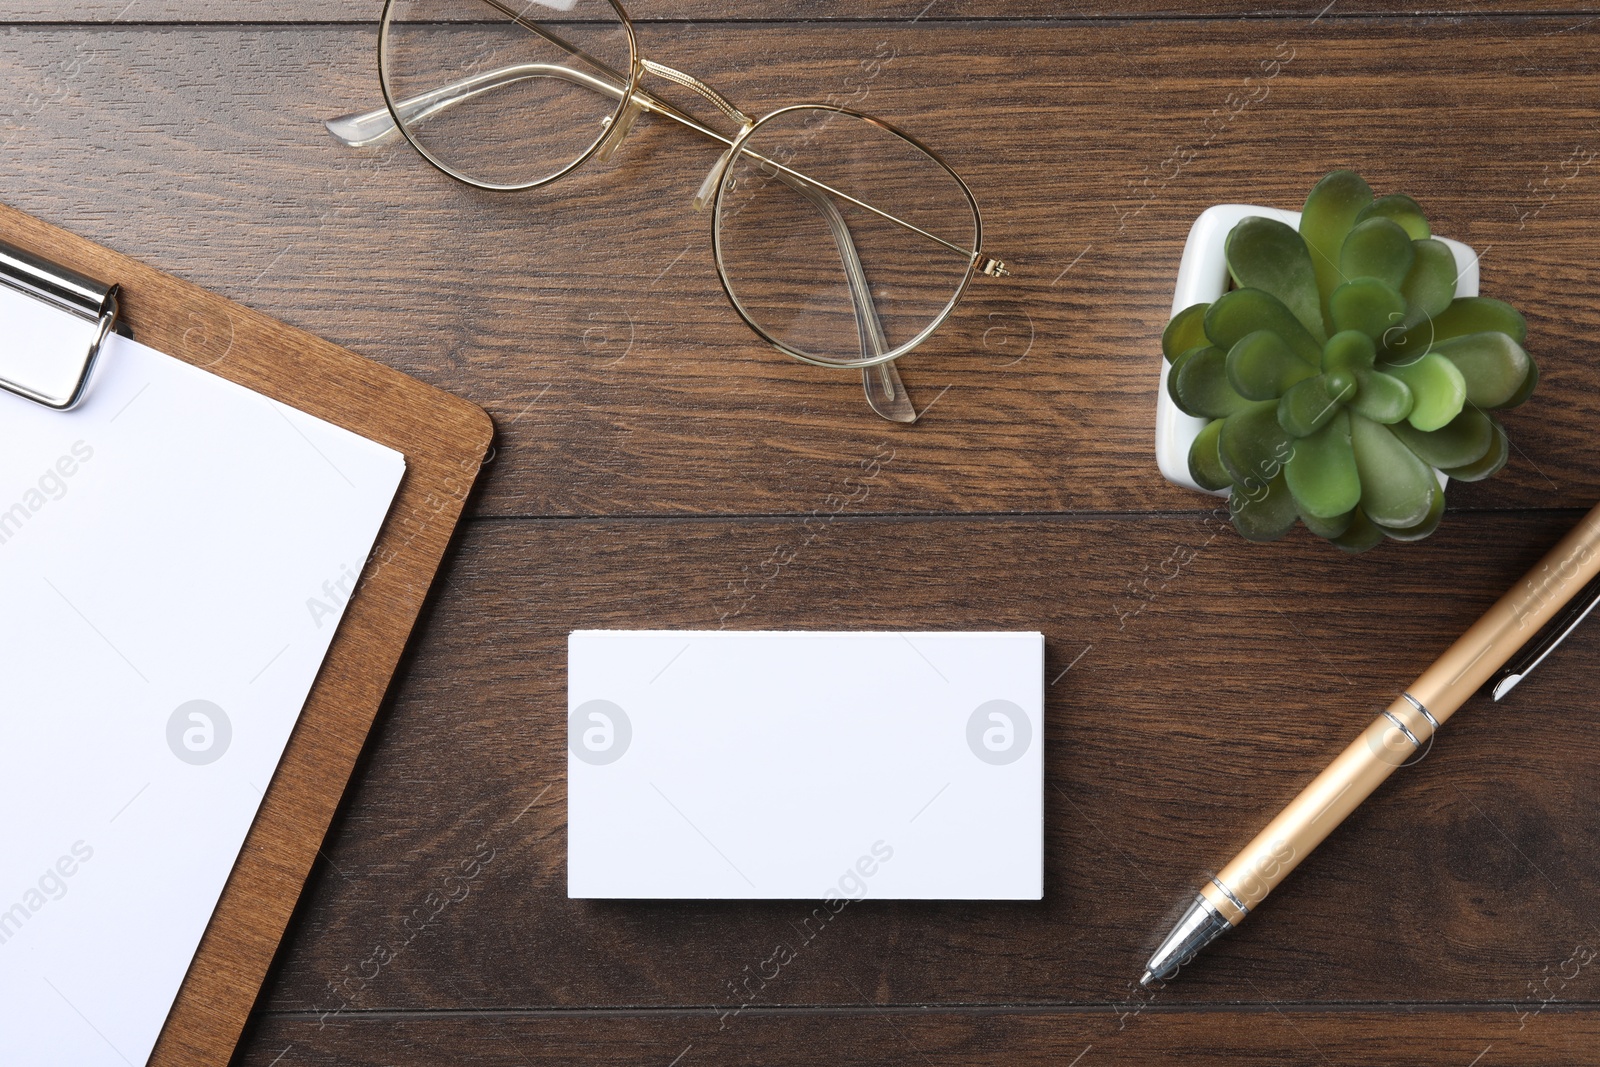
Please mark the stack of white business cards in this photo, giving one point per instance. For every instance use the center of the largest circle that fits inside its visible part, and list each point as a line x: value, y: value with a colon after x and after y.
x: 805, y: 765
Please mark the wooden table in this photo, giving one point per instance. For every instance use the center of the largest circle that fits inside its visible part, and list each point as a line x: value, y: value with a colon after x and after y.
x: 655, y: 460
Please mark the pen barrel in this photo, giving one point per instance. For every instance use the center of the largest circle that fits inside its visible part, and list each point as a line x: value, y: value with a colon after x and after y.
x: 1391, y: 739
x: 1409, y: 723
x: 1513, y: 621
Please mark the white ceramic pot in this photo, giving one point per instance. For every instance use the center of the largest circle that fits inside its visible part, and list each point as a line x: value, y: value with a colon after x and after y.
x: 1203, y: 278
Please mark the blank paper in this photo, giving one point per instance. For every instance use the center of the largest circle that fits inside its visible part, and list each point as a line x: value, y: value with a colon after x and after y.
x: 175, y: 556
x: 805, y: 765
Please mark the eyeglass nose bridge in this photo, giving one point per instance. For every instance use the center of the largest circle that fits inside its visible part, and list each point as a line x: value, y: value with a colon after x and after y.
x: 700, y: 88
x: 617, y: 131
x: 708, y: 188
x: 641, y: 101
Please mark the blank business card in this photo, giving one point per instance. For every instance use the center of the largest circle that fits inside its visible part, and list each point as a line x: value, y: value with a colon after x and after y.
x: 807, y: 765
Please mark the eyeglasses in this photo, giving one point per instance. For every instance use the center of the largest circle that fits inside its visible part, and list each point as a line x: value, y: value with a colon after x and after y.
x: 839, y: 239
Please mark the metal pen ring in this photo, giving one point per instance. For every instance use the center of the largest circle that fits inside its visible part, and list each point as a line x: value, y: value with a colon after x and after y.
x: 1398, y: 725
x: 1422, y: 709
x: 1232, y: 897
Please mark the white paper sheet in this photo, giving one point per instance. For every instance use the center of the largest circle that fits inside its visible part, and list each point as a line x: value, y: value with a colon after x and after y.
x: 820, y: 766
x: 175, y: 555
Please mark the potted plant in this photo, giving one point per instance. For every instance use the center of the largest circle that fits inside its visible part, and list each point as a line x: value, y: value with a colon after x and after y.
x: 1335, y: 367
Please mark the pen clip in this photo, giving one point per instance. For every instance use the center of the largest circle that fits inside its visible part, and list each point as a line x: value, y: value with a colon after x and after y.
x: 1547, y: 640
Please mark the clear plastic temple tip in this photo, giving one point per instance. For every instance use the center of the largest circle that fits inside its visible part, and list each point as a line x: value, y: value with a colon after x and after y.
x: 364, y: 129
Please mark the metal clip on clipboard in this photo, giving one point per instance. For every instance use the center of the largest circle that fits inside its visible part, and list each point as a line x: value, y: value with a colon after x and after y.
x: 56, y: 379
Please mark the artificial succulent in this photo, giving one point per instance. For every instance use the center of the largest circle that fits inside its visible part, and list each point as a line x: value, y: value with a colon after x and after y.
x: 1342, y: 371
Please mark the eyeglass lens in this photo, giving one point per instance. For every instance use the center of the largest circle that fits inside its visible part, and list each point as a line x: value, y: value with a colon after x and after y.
x: 806, y: 249
x: 488, y: 92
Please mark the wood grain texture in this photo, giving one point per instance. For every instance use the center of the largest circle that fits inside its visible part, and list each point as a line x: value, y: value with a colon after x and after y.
x: 655, y: 464
x: 1282, y: 1038
x: 444, y: 440
x: 589, y: 319
x: 1201, y: 696
x: 644, y: 11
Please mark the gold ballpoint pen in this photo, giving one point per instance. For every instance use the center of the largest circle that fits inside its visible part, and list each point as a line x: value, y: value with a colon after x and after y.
x: 1567, y: 577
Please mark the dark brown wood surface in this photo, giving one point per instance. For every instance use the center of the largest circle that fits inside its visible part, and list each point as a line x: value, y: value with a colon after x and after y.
x: 589, y: 320
x: 301, y: 11
x: 653, y: 458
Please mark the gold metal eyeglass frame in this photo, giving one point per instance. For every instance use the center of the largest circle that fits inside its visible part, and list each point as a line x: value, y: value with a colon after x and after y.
x: 884, y: 390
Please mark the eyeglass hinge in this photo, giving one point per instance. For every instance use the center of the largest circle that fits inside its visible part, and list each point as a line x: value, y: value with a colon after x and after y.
x: 992, y: 267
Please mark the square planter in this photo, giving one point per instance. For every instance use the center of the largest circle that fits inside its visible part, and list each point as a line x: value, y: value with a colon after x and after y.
x: 1203, y: 278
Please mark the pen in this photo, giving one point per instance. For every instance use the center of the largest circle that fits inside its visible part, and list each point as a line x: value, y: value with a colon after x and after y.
x: 1568, y: 577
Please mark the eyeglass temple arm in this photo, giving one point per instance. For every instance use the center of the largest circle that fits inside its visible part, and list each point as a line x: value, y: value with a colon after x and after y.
x: 367, y: 128
x: 885, y: 391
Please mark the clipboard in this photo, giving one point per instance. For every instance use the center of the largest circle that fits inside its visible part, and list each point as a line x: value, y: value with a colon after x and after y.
x: 444, y: 439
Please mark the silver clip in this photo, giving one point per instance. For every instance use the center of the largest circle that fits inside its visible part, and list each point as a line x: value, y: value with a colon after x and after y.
x: 67, y: 291
x: 1547, y: 640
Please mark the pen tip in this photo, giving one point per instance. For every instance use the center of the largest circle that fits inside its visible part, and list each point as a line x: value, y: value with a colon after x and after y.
x: 1147, y: 979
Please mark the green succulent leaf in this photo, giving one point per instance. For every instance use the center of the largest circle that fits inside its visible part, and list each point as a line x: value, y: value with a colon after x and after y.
x: 1430, y: 286
x: 1349, y: 356
x: 1328, y: 528
x: 1464, y: 315
x: 1465, y: 441
x: 1377, y: 248
x: 1349, y: 351
x: 1265, y: 512
x: 1422, y: 529
x: 1491, y: 463
x: 1476, y: 314
x: 1321, y: 471
x: 1381, y: 397
x: 1261, y: 366
x: 1244, y: 311
x: 1198, y: 384
x: 1253, y: 446
x: 1330, y: 212
x: 1172, y: 375
x: 1494, y: 366
x: 1529, y: 384
x: 1307, y: 406
x: 1439, y: 388
x: 1172, y: 372
x: 1205, y: 458
x: 1267, y: 255
x: 1368, y: 305
x: 1400, y: 208
x: 1186, y: 330
x: 1362, y: 534
x: 1343, y: 378
x: 1397, y: 488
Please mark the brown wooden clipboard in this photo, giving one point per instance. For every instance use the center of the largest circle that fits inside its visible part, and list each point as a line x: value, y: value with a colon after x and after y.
x: 444, y: 440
